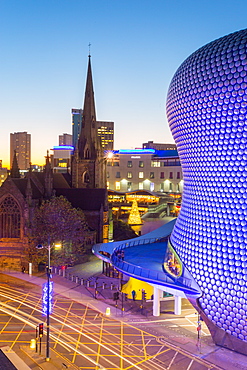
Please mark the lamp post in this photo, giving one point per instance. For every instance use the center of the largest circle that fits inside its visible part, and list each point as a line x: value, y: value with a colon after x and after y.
x: 47, y: 298
x: 48, y: 304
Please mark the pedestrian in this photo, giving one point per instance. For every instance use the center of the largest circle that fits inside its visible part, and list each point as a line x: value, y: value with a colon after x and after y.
x: 133, y: 295
x: 23, y: 269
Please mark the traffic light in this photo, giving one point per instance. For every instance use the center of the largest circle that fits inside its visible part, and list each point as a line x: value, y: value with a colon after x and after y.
x: 115, y: 296
x: 41, y: 330
x: 144, y: 295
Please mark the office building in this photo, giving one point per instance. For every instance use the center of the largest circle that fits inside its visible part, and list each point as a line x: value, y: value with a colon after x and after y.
x: 65, y: 139
x: 76, y: 125
x: 144, y: 169
x: 21, y: 143
x: 105, y: 132
x: 159, y: 146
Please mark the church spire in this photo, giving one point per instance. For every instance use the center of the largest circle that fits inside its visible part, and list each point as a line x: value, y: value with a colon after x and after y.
x: 15, y: 171
x: 89, y: 143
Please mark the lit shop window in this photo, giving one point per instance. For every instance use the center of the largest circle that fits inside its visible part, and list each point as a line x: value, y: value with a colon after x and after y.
x: 172, y: 263
x: 117, y: 185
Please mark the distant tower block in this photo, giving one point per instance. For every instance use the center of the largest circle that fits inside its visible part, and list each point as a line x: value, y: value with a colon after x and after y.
x: 207, y: 107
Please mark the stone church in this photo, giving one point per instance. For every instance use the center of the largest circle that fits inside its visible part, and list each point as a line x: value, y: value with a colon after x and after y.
x: 84, y: 187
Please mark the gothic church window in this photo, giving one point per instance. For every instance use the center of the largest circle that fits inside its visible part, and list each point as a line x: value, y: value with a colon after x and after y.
x: 85, y: 177
x: 10, y: 218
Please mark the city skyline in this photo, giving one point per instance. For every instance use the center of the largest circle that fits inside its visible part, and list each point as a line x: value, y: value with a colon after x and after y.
x: 135, y: 48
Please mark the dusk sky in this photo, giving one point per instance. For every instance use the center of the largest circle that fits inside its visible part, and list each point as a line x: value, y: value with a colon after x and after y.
x: 136, y: 46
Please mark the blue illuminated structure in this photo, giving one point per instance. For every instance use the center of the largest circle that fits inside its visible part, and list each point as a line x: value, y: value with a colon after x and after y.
x: 206, y: 108
x: 47, y: 298
x: 63, y: 147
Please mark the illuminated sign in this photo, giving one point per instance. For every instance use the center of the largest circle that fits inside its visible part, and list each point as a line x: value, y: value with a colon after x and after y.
x: 63, y: 147
x: 47, y: 300
x: 136, y: 151
x: 135, y: 156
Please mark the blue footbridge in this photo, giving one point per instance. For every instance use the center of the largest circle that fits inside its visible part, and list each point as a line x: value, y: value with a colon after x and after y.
x: 151, y: 258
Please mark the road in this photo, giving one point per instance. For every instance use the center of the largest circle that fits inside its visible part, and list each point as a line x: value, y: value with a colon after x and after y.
x: 84, y: 337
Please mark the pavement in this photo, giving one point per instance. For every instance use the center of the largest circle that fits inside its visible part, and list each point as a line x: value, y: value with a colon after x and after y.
x: 179, y: 336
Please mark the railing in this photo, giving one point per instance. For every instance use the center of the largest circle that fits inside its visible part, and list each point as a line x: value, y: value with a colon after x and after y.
x: 156, y: 276
x: 136, y: 242
x: 90, y: 282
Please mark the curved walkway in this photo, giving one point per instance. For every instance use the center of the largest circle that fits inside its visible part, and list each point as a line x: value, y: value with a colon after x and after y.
x: 143, y: 258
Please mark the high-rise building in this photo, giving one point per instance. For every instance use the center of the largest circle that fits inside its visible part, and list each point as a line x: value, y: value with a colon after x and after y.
x: 20, y: 142
x: 65, y: 139
x: 106, y: 134
x: 76, y: 125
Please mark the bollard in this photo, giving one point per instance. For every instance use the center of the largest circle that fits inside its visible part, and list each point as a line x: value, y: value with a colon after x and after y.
x: 111, y: 286
x: 82, y: 281
x: 59, y: 272
x: 103, y: 285
x: 88, y: 283
x: 55, y: 270
x: 76, y: 279
x: 33, y: 343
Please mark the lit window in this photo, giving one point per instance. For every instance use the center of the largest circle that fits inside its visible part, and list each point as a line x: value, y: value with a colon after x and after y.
x: 151, y: 175
x: 151, y: 186
x: 129, y: 164
x: 140, y: 185
x: 117, y: 185
x: 141, y: 175
x: 107, y: 185
x: 155, y: 164
x: 129, y: 175
x: 141, y: 164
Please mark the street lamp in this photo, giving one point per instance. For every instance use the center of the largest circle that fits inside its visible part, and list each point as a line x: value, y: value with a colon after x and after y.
x: 47, y: 298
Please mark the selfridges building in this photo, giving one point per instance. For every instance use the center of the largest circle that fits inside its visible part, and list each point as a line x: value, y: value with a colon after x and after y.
x: 206, y: 107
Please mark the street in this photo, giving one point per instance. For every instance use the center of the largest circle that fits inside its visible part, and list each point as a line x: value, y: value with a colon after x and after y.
x: 86, y: 338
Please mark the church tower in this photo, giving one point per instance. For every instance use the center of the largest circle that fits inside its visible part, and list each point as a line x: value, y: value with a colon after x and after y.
x: 88, y: 160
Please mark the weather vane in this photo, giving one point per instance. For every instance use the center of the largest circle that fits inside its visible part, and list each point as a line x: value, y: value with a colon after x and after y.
x: 89, y: 49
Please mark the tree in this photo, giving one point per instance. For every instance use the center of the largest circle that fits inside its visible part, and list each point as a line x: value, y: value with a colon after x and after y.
x: 56, y: 221
x: 122, y: 231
